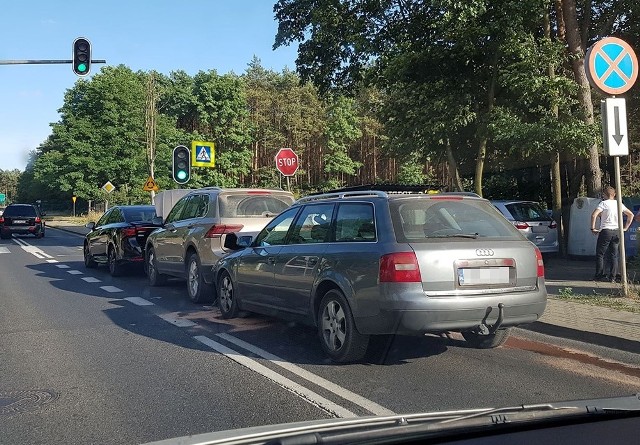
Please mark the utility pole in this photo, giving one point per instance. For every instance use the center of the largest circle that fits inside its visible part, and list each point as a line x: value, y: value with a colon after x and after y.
x: 151, y: 114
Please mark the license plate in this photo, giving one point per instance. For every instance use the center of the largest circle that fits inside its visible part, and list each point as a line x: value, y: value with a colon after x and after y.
x: 483, y: 275
x: 540, y: 229
x: 19, y: 221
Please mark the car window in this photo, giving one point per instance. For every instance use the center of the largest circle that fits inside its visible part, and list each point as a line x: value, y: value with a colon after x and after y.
x: 22, y: 210
x: 276, y: 231
x: 355, y: 222
x: 313, y: 224
x: 115, y: 217
x: 176, y: 212
x: 528, y: 211
x: 422, y: 219
x: 103, y: 219
x: 137, y: 214
x: 196, y: 207
x: 247, y: 206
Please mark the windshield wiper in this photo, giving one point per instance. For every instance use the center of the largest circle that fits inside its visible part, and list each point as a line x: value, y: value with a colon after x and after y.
x: 456, y: 235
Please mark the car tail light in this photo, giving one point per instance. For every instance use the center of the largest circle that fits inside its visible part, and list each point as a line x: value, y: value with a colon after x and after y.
x: 1, y: 219
x: 521, y: 225
x: 400, y: 267
x: 553, y: 225
x: 38, y: 220
x: 129, y: 231
x: 221, y: 229
x: 540, y: 263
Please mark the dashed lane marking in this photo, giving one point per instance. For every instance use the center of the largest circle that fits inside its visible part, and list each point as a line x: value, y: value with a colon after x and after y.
x: 74, y: 272
x: 138, y: 301
x: 91, y: 280
x: 62, y: 266
x: 4, y: 250
x: 305, y: 393
x: 111, y: 289
x: 52, y: 261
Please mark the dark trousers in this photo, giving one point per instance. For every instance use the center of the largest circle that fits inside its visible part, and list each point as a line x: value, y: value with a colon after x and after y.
x: 607, y: 251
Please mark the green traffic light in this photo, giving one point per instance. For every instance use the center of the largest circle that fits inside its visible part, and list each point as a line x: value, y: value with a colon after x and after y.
x: 82, y: 67
x: 182, y: 175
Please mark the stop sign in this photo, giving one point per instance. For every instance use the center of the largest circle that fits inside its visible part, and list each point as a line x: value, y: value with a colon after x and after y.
x: 286, y: 161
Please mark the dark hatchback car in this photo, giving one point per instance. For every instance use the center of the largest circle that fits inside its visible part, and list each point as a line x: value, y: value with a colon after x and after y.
x: 22, y: 219
x: 119, y: 237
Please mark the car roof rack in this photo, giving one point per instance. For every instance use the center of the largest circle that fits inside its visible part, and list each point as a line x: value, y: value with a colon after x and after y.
x: 382, y: 191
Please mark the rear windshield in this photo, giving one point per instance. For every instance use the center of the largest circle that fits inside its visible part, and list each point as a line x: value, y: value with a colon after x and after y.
x: 528, y: 211
x: 427, y: 219
x: 256, y: 206
x: 19, y: 211
x: 139, y: 214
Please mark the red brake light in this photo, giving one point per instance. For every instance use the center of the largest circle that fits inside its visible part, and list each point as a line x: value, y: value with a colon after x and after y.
x: 1, y: 219
x: 521, y: 225
x: 553, y: 225
x: 400, y: 267
x: 129, y: 231
x: 540, y: 263
x: 38, y: 220
x: 220, y: 229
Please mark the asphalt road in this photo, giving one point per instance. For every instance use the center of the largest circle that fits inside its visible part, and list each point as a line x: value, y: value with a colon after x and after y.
x: 87, y: 358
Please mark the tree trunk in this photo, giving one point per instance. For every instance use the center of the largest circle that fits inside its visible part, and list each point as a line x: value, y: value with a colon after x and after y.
x: 483, y: 130
x: 576, y: 56
x: 453, y: 169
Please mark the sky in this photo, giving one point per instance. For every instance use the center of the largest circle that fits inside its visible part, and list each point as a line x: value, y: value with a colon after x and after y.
x: 163, y: 35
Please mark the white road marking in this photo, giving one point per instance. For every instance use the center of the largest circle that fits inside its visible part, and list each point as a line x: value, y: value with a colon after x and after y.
x: 179, y: 322
x: 62, y: 266
x: 52, y: 261
x: 4, y: 250
x: 111, y: 289
x: 91, y: 280
x: 286, y: 383
x: 74, y: 272
x: 139, y: 301
x: 338, y: 390
x: 35, y: 251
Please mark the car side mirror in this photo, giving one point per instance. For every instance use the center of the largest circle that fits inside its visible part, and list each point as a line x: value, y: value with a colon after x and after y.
x: 157, y: 220
x: 244, y: 241
x: 90, y: 225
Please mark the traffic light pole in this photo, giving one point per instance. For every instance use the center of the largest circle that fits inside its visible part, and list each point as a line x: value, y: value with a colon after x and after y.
x: 43, y: 62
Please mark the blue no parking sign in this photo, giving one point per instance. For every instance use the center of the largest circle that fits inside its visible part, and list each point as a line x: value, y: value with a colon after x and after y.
x: 611, y: 65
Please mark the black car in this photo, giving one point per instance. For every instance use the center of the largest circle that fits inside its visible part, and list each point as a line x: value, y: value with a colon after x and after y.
x: 119, y: 237
x: 22, y: 219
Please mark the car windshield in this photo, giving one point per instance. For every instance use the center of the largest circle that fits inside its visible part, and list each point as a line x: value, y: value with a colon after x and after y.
x: 528, y: 211
x: 139, y: 214
x: 423, y: 219
x: 19, y: 210
x: 260, y: 205
x: 228, y: 214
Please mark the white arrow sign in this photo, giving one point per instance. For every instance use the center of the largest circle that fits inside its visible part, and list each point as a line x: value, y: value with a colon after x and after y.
x: 614, y: 127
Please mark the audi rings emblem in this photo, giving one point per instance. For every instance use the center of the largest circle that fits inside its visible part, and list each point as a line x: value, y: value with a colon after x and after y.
x: 484, y: 252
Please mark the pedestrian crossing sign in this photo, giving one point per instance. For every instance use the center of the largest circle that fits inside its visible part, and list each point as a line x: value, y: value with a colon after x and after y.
x: 203, y: 154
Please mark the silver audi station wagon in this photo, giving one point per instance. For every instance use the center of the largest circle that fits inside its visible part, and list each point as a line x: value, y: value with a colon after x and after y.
x: 361, y: 263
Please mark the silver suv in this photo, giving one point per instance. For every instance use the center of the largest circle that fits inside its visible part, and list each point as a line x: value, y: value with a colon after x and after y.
x: 197, y: 232
x: 359, y: 264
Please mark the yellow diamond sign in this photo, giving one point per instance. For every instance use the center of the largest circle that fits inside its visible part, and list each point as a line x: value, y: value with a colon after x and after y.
x: 108, y: 187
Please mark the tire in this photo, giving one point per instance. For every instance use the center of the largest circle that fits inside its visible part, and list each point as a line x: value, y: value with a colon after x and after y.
x: 151, y: 267
x: 227, y: 298
x: 197, y: 289
x: 115, y: 269
x: 89, y: 262
x: 490, y: 341
x: 338, y: 334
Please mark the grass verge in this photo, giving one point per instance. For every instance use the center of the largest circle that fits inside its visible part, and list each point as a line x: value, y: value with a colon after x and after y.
x: 612, y: 301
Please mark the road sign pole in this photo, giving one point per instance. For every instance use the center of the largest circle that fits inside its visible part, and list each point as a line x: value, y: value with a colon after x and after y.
x: 623, y: 259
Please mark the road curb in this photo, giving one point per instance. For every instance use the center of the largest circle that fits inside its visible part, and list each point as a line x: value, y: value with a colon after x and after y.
x: 66, y: 230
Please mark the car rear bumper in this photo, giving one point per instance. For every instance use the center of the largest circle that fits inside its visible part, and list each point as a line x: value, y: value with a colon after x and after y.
x: 21, y: 230
x: 454, y: 313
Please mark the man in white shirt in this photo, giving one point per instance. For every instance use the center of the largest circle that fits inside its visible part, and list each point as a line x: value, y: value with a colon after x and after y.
x: 608, y: 240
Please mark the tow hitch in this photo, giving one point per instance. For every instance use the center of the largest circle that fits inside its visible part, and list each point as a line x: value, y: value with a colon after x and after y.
x: 484, y: 329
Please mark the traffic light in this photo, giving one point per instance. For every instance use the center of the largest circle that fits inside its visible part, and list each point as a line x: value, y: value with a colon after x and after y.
x: 81, y: 62
x: 181, y: 164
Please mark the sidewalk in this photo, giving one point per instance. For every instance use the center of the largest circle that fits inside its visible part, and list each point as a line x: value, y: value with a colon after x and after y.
x: 585, y: 322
